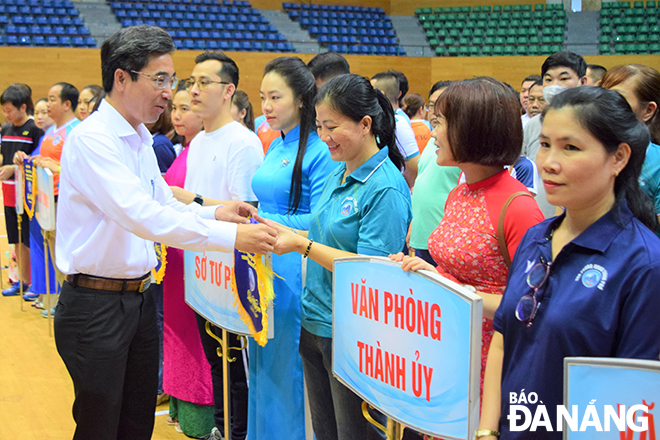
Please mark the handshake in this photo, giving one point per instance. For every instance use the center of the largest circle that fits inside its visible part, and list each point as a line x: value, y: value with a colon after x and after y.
x: 266, y: 236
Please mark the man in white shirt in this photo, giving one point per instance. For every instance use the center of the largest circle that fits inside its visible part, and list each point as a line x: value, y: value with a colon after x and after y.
x: 221, y: 162
x: 113, y: 205
x: 524, y: 94
x: 559, y: 71
x: 388, y: 84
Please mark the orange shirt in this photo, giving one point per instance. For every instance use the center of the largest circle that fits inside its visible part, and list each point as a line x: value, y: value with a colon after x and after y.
x: 52, y: 143
x: 422, y: 133
x: 267, y: 135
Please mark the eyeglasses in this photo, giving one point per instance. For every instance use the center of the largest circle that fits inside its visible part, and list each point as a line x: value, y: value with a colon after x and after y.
x: 202, y: 83
x: 161, y: 80
x: 529, y: 304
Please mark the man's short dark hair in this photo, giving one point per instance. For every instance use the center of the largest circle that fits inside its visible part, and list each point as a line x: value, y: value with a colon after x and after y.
x: 439, y: 85
x: 531, y: 78
x: 565, y: 59
x: 328, y: 65
x: 482, y: 116
x: 403, y: 83
x: 17, y: 95
x: 538, y: 82
x: 69, y: 93
x: 229, y: 70
x: 130, y: 49
x: 392, y: 81
x: 597, y: 71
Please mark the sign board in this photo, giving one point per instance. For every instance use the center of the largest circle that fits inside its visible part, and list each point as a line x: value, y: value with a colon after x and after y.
x: 19, y: 188
x: 599, y: 390
x: 45, y: 199
x: 208, y: 280
x: 409, y: 344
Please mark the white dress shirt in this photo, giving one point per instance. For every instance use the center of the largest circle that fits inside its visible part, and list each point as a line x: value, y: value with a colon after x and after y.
x: 114, y: 203
x: 221, y: 163
x: 524, y: 119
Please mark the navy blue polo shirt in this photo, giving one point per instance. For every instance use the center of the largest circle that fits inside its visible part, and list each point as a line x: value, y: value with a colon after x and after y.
x: 602, y: 299
x: 368, y: 214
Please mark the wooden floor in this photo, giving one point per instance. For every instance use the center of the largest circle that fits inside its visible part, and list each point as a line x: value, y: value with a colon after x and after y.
x: 36, y: 393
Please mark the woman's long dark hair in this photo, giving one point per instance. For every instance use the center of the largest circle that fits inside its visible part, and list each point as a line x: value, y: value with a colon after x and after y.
x: 354, y: 97
x: 242, y: 101
x: 608, y: 117
x: 297, y: 76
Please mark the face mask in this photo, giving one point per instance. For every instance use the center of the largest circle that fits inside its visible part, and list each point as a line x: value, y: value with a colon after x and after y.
x: 549, y: 92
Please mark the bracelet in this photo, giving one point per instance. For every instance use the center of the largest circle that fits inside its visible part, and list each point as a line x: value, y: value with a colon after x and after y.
x: 485, y: 433
x: 309, y: 246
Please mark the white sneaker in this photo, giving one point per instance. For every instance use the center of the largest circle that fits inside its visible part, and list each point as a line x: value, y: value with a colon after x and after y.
x: 214, y: 435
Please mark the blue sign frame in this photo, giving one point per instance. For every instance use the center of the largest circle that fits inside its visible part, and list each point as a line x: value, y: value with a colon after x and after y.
x: 605, y: 382
x: 409, y: 344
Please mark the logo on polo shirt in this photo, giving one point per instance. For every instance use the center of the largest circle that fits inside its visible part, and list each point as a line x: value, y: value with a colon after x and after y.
x: 25, y: 133
x: 348, y: 206
x: 593, y: 275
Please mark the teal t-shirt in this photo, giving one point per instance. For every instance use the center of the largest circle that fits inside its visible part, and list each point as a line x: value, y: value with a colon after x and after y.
x: 649, y: 180
x: 432, y: 186
x: 367, y: 215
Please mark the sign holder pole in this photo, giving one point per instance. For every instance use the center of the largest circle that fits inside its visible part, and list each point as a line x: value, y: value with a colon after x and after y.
x: 392, y: 430
x: 50, y: 323
x: 19, y: 217
x: 223, y: 352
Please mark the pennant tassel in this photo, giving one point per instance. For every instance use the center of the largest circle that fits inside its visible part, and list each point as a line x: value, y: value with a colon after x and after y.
x: 158, y: 272
x: 252, y: 299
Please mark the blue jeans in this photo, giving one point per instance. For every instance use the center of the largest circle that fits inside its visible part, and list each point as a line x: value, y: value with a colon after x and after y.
x: 336, y: 410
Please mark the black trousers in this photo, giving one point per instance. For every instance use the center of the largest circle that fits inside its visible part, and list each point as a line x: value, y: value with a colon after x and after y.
x: 109, y: 343
x: 238, y: 388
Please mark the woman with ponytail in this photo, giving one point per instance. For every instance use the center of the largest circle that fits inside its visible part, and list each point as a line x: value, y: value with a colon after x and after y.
x: 288, y: 186
x: 364, y: 208
x: 583, y: 283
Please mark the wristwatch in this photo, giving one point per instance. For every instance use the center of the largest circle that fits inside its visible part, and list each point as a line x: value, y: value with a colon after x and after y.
x: 485, y: 432
x: 198, y: 199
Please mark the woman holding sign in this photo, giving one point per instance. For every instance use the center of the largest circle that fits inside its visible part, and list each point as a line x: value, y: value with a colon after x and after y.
x: 364, y: 208
x: 584, y: 283
x: 479, y: 131
x: 288, y: 185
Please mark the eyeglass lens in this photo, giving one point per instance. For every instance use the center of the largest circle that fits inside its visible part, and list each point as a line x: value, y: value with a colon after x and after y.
x: 537, y: 275
x: 526, y: 307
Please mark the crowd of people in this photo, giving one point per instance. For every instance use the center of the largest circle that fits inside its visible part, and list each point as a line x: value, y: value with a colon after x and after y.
x: 513, y: 195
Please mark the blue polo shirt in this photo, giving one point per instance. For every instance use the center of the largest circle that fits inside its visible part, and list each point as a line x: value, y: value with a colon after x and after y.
x: 649, y: 180
x: 601, y: 300
x: 368, y: 215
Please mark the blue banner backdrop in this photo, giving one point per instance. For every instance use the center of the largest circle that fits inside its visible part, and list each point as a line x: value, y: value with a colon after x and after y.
x: 208, y: 280
x: 409, y: 344
x: 603, y: 382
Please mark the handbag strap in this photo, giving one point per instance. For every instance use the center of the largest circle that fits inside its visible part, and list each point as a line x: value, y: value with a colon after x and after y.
x: 500, y: 226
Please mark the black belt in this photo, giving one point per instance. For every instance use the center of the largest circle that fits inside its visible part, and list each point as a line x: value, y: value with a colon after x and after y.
x: 110, y: 284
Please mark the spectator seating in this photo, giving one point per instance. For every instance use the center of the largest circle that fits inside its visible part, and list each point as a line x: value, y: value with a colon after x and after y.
x: 347, y: 29
x: 42, y: 23
x: 494, y: 30
x: 627, y: 28
x: 206, y: 24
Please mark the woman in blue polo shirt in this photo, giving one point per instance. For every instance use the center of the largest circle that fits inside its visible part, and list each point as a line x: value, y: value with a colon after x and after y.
x: 364, y: 209
x: 584, y: 283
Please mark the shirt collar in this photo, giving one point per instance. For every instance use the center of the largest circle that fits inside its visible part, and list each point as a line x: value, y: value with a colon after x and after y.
x: 490, y: 181
x: 121, y: 125
x: 599, y: 235
x: 366, y: 170
x: 293, y: 135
